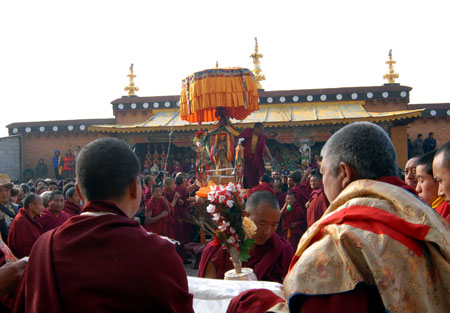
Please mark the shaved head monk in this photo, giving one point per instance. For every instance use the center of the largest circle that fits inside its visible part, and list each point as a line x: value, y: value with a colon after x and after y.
x: 102, y: 260
x: 270, y: 254
x: 378, y: 248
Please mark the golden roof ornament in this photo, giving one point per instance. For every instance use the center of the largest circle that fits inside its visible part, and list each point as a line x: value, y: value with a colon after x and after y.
x: 391, y: 75
x: 131, y: 88
x: 217, y: 64
x: 257, y: 67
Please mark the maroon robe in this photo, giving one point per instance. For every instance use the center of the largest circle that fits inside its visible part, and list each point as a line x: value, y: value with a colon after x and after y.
x: 296, y: 215
x: 318, y: 204
x: 182, y: 229
x: 71, y: 208
x: 156, y: 207
x: 103, y: 264
x: 281, y: 197
x: 269, y: 261
x: 49, y: 220
x: 262, y: 186
x: 444, y: 210
x: 23, y: 233
x: 253, y: 162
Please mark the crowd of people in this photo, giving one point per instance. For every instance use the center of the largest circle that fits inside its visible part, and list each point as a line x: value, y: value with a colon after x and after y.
x: 350, y: 233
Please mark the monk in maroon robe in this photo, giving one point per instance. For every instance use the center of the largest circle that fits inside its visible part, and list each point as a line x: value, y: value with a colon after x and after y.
x: 255, y: 149
x: 264, y: 185
x: 318, y: 204
x: 293, y: 220
x: 157, y: 209
x: 270, y: 255
x: 102, y: 260
x: 26, y: 227
x: 149, y: 181
x: 72, y: 203
x: 172, y: 197
x: 54, y: 216
x: 279, y: 193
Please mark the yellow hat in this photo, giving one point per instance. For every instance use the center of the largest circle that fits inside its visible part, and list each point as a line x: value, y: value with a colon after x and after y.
x: 5, y: 181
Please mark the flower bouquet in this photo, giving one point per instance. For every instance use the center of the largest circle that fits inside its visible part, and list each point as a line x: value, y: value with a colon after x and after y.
x: 233, y: 229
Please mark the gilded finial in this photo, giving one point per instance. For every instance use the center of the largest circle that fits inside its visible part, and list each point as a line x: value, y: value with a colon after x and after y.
x: 131, y: 88
x: 257, y: 67
x: 217, y: 64
x: 391, y: 75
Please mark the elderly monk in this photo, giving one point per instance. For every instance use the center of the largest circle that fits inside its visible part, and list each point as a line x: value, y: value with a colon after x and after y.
x: 54, y: 216
x: 255, y: 149
x: 410, y: 172
x: 378, y: 248
x: 72, y: 202
x: 103, y: 260
x: 26, y: 228
x: 441, y: 172
x: 270, y: 254
x: 264, y: 185
x: 427, y: 187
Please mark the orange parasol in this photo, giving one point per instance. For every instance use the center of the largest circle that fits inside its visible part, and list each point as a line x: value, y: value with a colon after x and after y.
x: 233, y: 90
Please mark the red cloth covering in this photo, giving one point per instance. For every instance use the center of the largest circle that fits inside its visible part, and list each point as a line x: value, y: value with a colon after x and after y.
x: 50, y: 220
x: 269, y: 261
x: 71, y: 208
x: 397, y: 182
x: 296, y: 215
x: 302, y: 193
x: 68, y: 160
x: 253, y: 163
x: 318, y: 204
x: 262, y: 186
x: 281, y: 197
x: 23, y: 233
x: 444, y: 210
x: 102, y: 264
x: 156, y: 207
x: 363, y: 299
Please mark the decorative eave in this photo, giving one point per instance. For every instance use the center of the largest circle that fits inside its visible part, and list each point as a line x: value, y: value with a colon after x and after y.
x: 55, y: 126
x: 370, y: 93
x: 289, y: 115
x: 432, y: 109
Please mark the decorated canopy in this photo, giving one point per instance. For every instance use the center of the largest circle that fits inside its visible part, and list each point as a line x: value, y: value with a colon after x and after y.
x: 206, y: 94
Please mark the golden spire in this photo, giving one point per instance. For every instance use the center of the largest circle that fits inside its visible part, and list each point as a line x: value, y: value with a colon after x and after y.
x: 391, y: 75
x: 217, y: 64
x: 131, y: 88
x: 257, y: 70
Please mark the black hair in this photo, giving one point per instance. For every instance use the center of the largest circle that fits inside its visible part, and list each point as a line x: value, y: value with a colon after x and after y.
x: 105, y: 169
x: 445, y: 149
x: 427, y: 160
x: 55, y: 193
x: 316, y: 173
x: 30, y: 198
x: 292, y: 194
x: 179, y: 180
x: 147, y: 179
x: 259, y: 125
x: 266, y: 179
x: 156, y: 186
x: 66, y: 188
x: 259, y: 197
x: 70, y: 192
x: 296, y: 177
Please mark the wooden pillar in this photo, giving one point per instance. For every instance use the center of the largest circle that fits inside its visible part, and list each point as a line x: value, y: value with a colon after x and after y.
x: 400, y: 141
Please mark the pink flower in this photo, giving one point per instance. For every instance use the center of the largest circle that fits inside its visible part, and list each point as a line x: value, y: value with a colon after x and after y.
x: 216, y: 216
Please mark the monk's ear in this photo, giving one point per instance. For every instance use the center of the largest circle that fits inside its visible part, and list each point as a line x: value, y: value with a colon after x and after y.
x: 79, y: 192
x: 348, y: 174
x: 134, y: 188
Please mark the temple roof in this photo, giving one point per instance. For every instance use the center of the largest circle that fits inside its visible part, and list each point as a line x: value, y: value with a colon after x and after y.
x: 285, y: 115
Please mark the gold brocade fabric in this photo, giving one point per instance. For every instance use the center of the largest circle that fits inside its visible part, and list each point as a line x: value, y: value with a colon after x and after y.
x: 346, y: 256
x: 203, y: 92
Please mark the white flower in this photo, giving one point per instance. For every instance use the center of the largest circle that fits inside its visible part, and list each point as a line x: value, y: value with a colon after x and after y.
x: 216, y: 216
x: 232, y: 230
x: 230, y: 203
x: 231, y: 240
x: 239, y: 187
x: 222, y: 228
x: 211, y: 208
x: 221, y: 188
x: 221, y: 198
x: 231, y: 187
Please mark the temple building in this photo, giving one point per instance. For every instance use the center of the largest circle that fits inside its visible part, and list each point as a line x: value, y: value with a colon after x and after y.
x: 292, y: 118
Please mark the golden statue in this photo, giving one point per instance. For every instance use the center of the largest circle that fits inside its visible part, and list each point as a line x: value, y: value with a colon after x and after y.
x: 257, y: 66
x: 391, y: 75
x: 131, y: 88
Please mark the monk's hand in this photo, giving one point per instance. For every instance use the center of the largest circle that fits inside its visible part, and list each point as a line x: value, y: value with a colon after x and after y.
x: 10, y: 274
x: 176, y: 195
x: 180, y: 202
